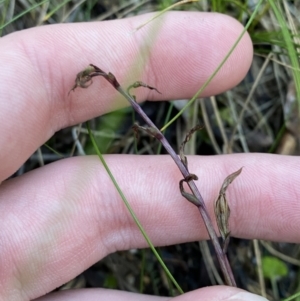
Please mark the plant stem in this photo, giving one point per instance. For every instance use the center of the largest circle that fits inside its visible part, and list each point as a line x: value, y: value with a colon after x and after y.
x: 229, y: 279
x: 83, y: 80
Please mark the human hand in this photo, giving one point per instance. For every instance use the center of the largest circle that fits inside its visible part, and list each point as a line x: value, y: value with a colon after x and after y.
x: 58, y: 220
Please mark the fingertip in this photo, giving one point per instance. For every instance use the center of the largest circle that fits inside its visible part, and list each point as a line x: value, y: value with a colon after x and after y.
x: 239, y: 62
x: 224, y: 32
x: 189, y: 48
x: 216, y: 293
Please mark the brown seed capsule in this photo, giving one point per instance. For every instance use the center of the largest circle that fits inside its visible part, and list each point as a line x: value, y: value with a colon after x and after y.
x: 222, y: 210
x: 83, y: 78
x: 222, y: 213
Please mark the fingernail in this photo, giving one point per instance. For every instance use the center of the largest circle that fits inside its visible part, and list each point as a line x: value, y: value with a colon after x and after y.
x: 244, y: 296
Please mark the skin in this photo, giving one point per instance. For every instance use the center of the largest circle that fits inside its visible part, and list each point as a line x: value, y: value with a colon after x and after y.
x: 58, y: 220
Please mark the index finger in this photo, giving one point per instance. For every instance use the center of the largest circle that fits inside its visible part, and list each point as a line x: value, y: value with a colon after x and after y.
x: 175, y: 53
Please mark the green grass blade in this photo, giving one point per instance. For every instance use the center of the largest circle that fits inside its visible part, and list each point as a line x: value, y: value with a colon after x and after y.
x: 131, y: 211
x: 162, y: 12
x: 289, y: 43
x: 143, y: 265
x: 277, y: 139
x: 292, y: 297
x: 53, y: 150
x: 56, y: 9
x: 217, y: 69
x: 22, y: 14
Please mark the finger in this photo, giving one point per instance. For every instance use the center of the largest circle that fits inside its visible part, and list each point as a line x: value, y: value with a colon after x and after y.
x: 98, y: 295
x: 72, y: 216
x: 219, y: 293
x: 215, y: 293
x: 176, y: 54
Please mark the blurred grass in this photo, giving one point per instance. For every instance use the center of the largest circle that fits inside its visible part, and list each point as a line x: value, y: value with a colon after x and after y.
x: 269, y: 120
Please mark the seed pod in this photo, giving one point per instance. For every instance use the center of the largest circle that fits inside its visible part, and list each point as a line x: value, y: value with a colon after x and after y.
x: 222, y: 210
x: 84, y: 78
x: 187, y: 139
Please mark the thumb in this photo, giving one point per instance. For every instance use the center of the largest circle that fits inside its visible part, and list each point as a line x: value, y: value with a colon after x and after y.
x: 217, y: 293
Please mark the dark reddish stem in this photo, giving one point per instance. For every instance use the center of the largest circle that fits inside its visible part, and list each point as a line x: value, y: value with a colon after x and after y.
x: 82, y: 80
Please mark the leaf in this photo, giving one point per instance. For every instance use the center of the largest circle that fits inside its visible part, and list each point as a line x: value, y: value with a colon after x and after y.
x: 110, y: 282
x: 273, y: 267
